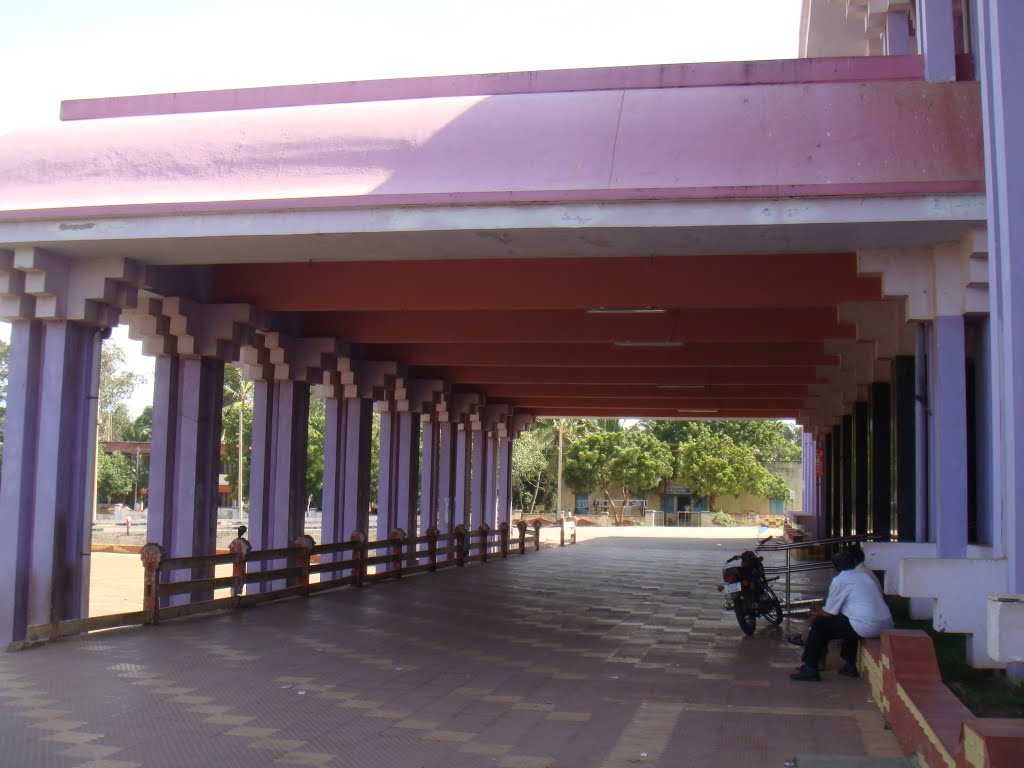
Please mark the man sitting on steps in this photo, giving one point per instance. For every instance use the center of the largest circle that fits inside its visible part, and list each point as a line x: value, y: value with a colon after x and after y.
x: 854, y: 609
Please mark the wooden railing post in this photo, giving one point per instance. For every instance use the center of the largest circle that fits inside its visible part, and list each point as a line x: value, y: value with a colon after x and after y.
x: 485, y: 544
x: 503, y: 529
x: 522, y: 526
x: 397, y: 539
x: 240, y: 548
x: 432, y: 534
x: 152, y: 555
x: 460, y: 546
x: 358, y: 538
x: 536, y: 531
x: 304, y: 544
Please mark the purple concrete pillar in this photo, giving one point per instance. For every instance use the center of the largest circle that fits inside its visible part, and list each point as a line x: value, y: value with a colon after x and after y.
x: 490, y: 507
x: 355, y: 490
x: 277, y: 472
x: 504, y: 452
x: 429, y: 474
x: 478, y: 462
x: 935, y: 40
x: 46, y: 491
x: 463, y: 454
x: 331, y: 530
x: 1000, y: 60
x: 947, y: 437
x: 809, y: 465
x: 407, y: 474
x: 185, y: 459
x: 387, y: 475
x: 897, y: 33
x: 447, y: 439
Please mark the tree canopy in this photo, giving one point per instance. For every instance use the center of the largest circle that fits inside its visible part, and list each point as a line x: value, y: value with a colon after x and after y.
x: 116, y: 386
x: 620, y: 464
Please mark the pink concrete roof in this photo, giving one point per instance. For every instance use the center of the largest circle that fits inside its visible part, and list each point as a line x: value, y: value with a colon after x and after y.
x: 824, y: 138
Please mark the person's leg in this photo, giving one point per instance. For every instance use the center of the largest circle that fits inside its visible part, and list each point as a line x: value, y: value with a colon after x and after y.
x: 823, y: 630
x: 848, y: 653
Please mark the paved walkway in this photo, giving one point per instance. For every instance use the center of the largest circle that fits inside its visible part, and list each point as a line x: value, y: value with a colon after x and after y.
x: 614, y: 652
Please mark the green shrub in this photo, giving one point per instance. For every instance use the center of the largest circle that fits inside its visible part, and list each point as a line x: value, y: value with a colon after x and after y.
x: 723, y: 519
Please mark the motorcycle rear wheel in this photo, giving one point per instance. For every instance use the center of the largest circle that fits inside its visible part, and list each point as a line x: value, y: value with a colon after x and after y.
x: 745, y: 615
x: 771, y: 608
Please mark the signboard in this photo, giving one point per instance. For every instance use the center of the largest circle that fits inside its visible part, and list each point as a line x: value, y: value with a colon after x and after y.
x: 677, y: 490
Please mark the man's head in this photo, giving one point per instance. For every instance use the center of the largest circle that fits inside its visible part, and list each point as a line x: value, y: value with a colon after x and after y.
x: 858, y: 553
x: 843, y: 560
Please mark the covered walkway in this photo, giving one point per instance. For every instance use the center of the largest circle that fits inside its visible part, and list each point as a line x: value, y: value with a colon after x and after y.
x: 615, y: 652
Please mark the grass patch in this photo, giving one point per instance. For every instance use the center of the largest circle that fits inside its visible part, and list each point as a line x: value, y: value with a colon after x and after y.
x: 986, y: 692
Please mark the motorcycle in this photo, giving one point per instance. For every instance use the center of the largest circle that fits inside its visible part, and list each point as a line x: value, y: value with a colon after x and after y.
x: 748, y: 590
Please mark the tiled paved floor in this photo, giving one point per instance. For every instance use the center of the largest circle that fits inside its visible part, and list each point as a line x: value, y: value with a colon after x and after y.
x: 615, y: 652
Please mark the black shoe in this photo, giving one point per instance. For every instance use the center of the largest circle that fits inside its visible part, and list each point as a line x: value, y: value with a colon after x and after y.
x: 807, y: 673
x: 849, y: 670
x: 796, y: 640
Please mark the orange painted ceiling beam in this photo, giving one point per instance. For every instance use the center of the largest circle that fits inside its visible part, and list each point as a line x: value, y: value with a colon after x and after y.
x: 582, y: 375
x: 605, y: 354
x: 491, y: 326
x: 742, y: 280
x: 630, y: 391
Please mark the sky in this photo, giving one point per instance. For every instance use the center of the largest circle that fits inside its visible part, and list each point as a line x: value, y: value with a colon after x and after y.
x: 72, y: 49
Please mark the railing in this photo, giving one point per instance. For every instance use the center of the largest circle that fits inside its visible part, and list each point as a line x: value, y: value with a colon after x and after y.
x: 352, y: 563
x: 793, y: 607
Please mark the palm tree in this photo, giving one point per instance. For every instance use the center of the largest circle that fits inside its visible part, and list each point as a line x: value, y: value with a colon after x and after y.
x: 556, y: 433
x: 238, y: 394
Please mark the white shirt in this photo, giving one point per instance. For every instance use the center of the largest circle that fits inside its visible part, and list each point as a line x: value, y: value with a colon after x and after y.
x: 856, y: 595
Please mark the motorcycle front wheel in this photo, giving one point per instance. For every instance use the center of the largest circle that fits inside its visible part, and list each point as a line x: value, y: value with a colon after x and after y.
x: 745, y: 615
x: 771, y: 608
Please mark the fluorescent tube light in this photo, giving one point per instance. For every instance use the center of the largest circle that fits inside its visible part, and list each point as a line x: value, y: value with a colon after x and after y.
x: 647, y: 343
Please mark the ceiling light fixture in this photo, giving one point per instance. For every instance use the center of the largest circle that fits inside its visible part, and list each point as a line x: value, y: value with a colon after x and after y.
x: 696, y: 410
x: 679, y: 386
x: 647, y: 343
x: 626, y: 311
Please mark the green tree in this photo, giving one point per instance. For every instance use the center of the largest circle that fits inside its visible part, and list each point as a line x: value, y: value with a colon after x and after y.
x: 711, y: 463
x: 630, y: 462
x: 768, y: 440
x: 116, y: 387
x: 115, y: 477
x: 141, y: 429
x: 236, y: 422
x: 315, y: 452
x: 530, y: 463
x: 551, y: 434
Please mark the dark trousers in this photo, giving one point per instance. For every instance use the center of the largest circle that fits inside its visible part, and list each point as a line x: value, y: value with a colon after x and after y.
x: 823, y: 630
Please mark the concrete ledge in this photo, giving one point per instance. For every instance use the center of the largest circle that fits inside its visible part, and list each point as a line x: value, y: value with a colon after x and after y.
x: 960, y: 588
x: 929, y: 722
x: 1006, y: 628
x: 885, y: 556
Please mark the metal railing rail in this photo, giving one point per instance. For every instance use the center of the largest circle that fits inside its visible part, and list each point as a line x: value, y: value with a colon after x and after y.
x: 791, y: 607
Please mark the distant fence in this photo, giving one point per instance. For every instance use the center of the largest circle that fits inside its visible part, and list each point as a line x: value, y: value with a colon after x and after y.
x: 288, y: 570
